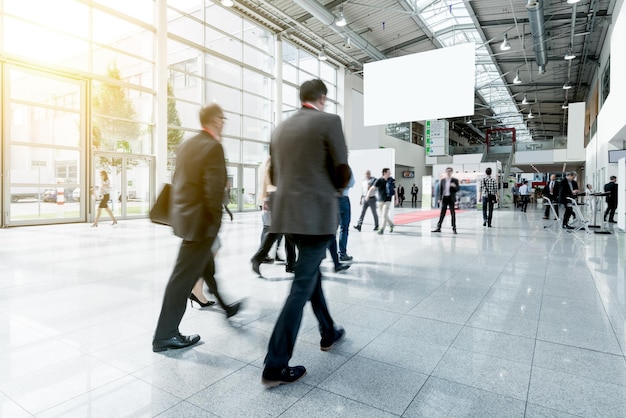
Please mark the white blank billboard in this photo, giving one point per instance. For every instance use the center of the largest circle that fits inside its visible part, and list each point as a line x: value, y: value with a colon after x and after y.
x: 429, y: 85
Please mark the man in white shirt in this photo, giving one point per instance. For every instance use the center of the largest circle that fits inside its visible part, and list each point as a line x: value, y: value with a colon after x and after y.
x: 525, y: 194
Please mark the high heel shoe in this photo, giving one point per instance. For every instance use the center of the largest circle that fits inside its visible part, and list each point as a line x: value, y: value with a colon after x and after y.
x: 193, y: 299
x: 94, y: 225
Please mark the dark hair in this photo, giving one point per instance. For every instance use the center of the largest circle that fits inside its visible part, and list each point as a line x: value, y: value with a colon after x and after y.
x: 385, y: 170
x: 488, y: 171
x: 312, y: 90
x: 612, y: 178
x: 210, y: 112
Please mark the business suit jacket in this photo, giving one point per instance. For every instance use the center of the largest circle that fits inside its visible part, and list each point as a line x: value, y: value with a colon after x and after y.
x: 309, y: 164
x: 565, y: 191
x: 198, y: 188
x: 555, y: 193
x: 611, y: 199
x: 453, y: 190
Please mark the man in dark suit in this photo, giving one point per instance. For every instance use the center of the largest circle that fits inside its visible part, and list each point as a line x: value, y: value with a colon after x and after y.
x: 611, y: 199
x: 551, y: 191
x: 309, y: 166
x: 196, y: 215
x: 448, y: 187
x: 568, y: 188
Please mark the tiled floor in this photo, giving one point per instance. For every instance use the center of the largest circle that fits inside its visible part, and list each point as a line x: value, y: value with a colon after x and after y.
x: 510, y: 321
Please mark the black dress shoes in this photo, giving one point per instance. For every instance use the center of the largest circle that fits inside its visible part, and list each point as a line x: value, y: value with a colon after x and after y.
x: 454, y: 231
x: 327, y: 342
x: 255, y: 265
x: 273, y: 377
x: 267, y: 260
x: 436, y: 230
x: 289, y: 269
x: 179, y: 341
x: 357, y: 227
x: 345, y: 257
x: 231, y: 310
x: 342, y: 267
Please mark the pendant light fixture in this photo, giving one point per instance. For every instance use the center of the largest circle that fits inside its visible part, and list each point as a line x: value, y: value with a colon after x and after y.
x: 228, y: 3
x: 525, y: 101
x: 569, y: 55
x: 517, y: 79
x: 322, y: 55
x: 341, y: 19
x: 567, y: 86
x: 505, y: 46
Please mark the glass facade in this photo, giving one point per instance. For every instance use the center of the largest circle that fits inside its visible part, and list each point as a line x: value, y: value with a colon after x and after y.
x: 94, y: 109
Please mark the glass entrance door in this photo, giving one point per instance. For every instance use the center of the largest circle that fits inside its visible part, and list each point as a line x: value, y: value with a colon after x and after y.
x: 43, y: 148
x: 243, y: 182
x: 130, y: 178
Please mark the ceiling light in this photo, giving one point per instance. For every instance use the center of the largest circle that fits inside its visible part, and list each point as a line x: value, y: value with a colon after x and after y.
x: 572, y: 1
x: 228, y: 3
x: 565, y: 105
x: 567, y: 86
x: 569, y: 55
x: 530, y: 114
x: 525, y: 101
x: 322, y: 55
x: 341, y: 19
x: 348, y: 43
x: 505, y: 46
x: 531, y: 4
x: 517, y: 80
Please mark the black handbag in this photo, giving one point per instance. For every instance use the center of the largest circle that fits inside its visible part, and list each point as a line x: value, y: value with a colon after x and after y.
x: 160, y: 212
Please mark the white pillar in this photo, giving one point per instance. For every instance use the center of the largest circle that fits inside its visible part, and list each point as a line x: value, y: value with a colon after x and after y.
x: 160, y: 141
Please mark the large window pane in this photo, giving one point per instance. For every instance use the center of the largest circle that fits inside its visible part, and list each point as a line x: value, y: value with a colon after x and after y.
x: 110, y: 134
x: 226, y: 45
x: 254, y: 152
x: 65, y: 15
x: 290, y: 53
x: 257, y: 106
x: 290, y: 73
x: 132, y: 70
x: 308, y: 63
x: 232, y: 127
x: 227, y: 97
x: 257, y: 83
x: 222, y: 18
x: 328, y: 73
x: 186, y: 28
x: 256, y: 129
x: 257, y: 59
x: 223, y: 71
x: 139, y: 9
x: 188, y: 114
x: 290, y: 95
x: 43, y: 45
x: 232, y: 150
x: 256, y: 36
x: 40, y: 125
x: 120, y: 34
x: 186, y: 86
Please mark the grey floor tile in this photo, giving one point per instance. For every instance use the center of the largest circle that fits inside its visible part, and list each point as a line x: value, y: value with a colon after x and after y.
x: 376, y: 384
x: 427, y: 330
x: 186, y: 372
x: 11, y: 409
x: 496, y: 344
x: 575, y: 319
x: 410, y: 353
x: 445, y: 399
x: 442, y: 312
x: 34, y: 357
x: 54, y: 385
x: 603, y: 340
x: 363, y: 316
x: 135, y: 354
x: 319, y: 364
x: 241, y: 394
x: 581, y: 362
x: 485, y: 372
x: 322, y: 404
x: 576, y: 395
x: 511, y: 323
x: 356, y: 338
x: 536, y: 411
x: 186, y: 410
x: 127, y: 397
x: 245, y: 344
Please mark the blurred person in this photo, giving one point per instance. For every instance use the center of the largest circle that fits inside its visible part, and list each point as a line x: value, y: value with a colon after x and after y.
x: 368, y: 200
x: 386, y: 194
x: 448, y: 187
x: 309, y: 165
x: 414, y: 191
x: 489, y: 195
x: 105, y: 189
x: 569, y: 188
x: 551, y: 191
x: 611, y: 199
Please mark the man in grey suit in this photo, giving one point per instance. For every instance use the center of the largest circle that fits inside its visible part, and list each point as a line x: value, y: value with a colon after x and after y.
x: 309, y: 166
x: 196, y: 215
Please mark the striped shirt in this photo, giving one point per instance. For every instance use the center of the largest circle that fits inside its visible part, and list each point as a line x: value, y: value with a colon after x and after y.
x: 488, y: 186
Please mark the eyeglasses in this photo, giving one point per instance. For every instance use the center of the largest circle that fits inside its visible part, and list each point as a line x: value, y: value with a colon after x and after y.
x: 223, y: 117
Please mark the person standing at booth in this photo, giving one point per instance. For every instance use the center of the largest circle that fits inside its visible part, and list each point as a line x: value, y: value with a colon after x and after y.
x: 611, y: 199
x: 569, y: 188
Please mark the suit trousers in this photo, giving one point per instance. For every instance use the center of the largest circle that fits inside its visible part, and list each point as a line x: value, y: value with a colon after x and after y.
x: 266, y: 245
x: 610, y: 211
x: 546, y: 212
x: 307, y: 285
x: 195, y: 260
x: 447, y: 202
x: 369, y: 203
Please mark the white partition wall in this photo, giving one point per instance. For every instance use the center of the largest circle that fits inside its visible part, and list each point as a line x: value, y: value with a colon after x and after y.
x: 621, y: 194
x: 576, y: 131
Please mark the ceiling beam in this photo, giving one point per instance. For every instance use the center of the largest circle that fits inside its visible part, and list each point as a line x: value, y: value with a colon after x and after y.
x: 556, y: 18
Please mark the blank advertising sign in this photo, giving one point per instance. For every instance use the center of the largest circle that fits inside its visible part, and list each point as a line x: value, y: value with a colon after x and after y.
x: 429, y: 85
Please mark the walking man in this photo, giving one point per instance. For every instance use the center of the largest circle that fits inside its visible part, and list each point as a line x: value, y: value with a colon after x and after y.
x: 368, y: 200
x: 551, y: 191
x: 309, y: 158
x: 489, y: 194
x: 196, y: 215
x: 447, y: 198
x: 386, y: 193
